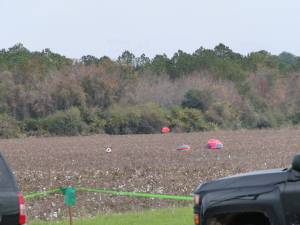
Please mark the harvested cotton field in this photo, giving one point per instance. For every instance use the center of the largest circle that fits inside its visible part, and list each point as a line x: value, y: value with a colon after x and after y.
x: 140, y: 163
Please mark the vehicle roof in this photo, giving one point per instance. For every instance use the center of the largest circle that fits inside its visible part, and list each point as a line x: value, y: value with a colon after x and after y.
x: 251, y: 179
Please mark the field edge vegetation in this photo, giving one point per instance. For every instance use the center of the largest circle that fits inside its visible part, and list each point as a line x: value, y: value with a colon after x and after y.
x: 45, y: 93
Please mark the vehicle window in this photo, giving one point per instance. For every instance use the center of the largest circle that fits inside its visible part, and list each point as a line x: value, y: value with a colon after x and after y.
x: 6, y: 181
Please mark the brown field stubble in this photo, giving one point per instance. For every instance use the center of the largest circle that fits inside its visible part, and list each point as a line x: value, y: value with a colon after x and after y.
x: 142, y: 163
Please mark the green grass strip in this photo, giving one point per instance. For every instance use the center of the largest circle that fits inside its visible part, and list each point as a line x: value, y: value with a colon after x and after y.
x: 167, y: 216
x: 119, y: 193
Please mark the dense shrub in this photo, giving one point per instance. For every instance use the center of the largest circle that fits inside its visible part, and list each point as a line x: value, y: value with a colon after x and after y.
x: 199, y: 99
x: 93, y: 117
x: 9, y: 127
x: 148, y: 118
x: 188, y: 120
x: 121, y: 120
x: 224, y: 115
x: 295, y: 118
x: 248, y: 116
x: 34, y: 127
x: 153, y: 117
x: 67, y: 122
x: 254, y: 119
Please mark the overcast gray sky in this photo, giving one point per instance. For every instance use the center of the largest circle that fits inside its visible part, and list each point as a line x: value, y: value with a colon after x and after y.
x: 97, y: 27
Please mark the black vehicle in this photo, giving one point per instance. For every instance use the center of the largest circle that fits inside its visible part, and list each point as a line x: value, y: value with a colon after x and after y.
x: 270, y: 197
x: 12, y: 208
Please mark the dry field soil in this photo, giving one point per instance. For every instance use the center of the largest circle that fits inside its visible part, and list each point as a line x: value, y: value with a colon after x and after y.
x: 141, y: 163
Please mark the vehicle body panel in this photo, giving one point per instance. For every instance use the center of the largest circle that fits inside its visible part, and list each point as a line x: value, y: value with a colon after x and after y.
x: 275, y: 193
x: 9, y: 201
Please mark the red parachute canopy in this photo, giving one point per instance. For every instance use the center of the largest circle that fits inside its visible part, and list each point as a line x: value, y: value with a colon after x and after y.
x: 165, y: 130
x: 214, y: 144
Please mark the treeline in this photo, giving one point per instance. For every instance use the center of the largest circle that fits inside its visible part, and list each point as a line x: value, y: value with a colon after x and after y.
x: 45, y: 93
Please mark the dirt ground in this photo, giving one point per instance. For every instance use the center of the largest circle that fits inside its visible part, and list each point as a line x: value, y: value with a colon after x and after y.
x: 143, y: 163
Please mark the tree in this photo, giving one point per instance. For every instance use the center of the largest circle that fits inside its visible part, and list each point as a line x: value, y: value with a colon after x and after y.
x: 183, y: 63
x: 127, y: 58
x: 55, y: 60
x: 66, y: 92
x: 288, y: 58
x: 262, y: 58
x: 199, y: 99
x: 288, y: 62
x: 142, y: 61
x: 89, y: 60
x: 224, y: 51
x: 161, y: 64
x: 105, y: 60
x: 17, y: 48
